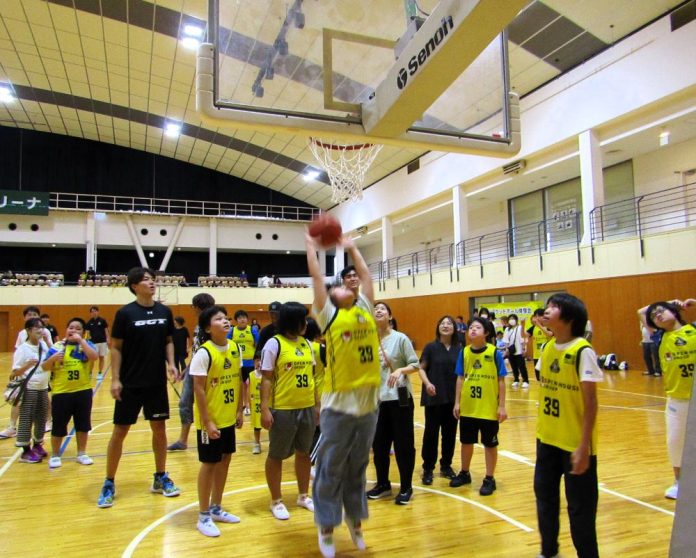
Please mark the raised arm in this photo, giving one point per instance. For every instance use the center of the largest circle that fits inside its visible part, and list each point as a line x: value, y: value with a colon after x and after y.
x: 320, y: 293
x: 366, y: 286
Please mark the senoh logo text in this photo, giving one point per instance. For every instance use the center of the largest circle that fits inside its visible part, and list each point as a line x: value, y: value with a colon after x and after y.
x: 419, y: 59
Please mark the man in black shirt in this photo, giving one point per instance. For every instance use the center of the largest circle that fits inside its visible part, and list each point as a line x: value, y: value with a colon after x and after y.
x: 141, y: 345
x: 98, y: 330
x: 46, y: 319
x: 267, y: 332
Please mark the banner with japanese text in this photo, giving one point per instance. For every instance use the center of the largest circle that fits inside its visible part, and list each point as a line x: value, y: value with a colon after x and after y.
x: 21, y: 202
x: 523, y: 310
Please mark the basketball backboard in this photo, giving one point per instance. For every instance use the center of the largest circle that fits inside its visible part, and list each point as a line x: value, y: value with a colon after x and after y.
x: 423, y: 73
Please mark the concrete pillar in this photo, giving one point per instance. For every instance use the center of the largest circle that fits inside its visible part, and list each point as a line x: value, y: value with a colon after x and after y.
x: 460, y: 220
x: 591, y: 178
x: 212, y: 254
x: 91, y: 242
x: 339, y: 260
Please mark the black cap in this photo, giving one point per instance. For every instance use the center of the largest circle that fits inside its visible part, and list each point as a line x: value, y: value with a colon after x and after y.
x: 274, y: 306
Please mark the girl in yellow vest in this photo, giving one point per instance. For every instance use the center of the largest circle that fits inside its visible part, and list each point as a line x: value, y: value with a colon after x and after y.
x: 216, y: 372
x: 349, y: 398
x: 479, y: 402
x: 71, y: 385
x: 566, y: 428
x: 289, y: 405
x: 677, y: 348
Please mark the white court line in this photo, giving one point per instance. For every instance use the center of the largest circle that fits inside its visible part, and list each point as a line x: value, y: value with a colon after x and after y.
x: 661, y: 410
x: 10, y: 461
x: 633, y: 393
x: 602, y: 488
x: 131, y: 548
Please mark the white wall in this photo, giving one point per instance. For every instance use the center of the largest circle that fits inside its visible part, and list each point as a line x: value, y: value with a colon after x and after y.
x: 655, y: 171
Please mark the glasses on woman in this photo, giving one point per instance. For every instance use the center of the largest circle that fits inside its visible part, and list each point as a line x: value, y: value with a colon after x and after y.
x: 656, y: 311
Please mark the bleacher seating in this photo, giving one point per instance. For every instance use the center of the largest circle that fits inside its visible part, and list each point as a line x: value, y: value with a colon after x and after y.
x: 43, y: 279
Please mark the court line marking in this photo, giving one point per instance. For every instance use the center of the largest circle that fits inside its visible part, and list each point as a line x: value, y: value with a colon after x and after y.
x: 133, y: 545
x: 632, y: 393
x: 10, y: 461
x: 525, y: 460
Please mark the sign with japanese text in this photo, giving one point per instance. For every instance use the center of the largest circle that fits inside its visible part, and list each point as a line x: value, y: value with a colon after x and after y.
x: 23, y: 202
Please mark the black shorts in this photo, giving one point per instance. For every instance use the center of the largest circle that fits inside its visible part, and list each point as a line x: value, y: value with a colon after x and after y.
x: 246, y: 370
x: 76, y: 405
x: 469, y: 428
x: 213, y: 450
x: 153, y: 400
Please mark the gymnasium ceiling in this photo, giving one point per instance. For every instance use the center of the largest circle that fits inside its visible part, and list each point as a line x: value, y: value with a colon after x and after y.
x: 117, y: 71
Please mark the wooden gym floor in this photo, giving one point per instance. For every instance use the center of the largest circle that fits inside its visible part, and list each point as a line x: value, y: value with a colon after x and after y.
x: 53, y: 512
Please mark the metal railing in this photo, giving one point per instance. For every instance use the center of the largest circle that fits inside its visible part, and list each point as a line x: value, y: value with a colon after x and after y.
x: 670, y: 209
x: 160, y: 206
x: 674, y: 208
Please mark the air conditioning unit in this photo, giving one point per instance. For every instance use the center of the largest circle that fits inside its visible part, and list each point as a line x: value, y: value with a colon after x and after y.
x: 514, y: 167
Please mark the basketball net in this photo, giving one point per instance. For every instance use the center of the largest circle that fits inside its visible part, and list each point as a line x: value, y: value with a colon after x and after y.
x: 346, y: 166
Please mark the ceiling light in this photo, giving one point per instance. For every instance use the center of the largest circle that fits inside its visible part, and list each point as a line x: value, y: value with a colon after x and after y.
x: 190, y: 43
x: 6, y: 95
x: 172, y: 130
x: 193, y: 31
x: 664, y: 138
x: 310, y: 175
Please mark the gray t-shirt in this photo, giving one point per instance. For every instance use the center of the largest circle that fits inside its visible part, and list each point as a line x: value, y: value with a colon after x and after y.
x: 399, y: 351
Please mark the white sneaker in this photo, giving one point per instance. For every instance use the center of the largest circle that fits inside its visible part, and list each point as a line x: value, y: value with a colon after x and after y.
x: 515, y: 384
x: 207, y: 527
x: 672, y: 491
x: 257, y: 449
x: 356, y: 535
x: 326, y: 544
x: 84, y: 459
x: 54, y: 462
x: 305, y: 502
x: 49, y: 426
x: 221, y: 516
x: 9, y: 432
x: 525, y: 385
x: 247, y: 411
x: 279, y: 511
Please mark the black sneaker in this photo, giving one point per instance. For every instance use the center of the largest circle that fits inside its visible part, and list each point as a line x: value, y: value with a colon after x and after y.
x: 461, y: 479
x: 379, y: 491
x: 427, y: 478
x: 447, y: 472
x: 403, y: 498
x: 488, y: 486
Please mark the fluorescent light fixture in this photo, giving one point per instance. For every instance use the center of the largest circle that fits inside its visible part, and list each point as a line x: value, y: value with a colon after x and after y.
x: 664, y: 138
x: 6, y: 95
x: 311, y: 175
x: 190, y: 43
x: 193, y: 31
x: 172, y: 130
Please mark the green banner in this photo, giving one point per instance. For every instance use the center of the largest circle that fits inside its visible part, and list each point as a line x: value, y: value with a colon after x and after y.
x: 24, y: 203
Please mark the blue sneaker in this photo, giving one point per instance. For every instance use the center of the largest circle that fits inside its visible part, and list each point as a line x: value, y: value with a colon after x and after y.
x: 107, y: 495
x: 165, y: 486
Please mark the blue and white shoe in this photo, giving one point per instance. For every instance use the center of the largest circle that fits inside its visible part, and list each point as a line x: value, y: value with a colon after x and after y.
x: 165, y: 486
x: 107, y: 495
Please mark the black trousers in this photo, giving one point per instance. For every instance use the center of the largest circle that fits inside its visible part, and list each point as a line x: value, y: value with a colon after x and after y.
x: 582, y: 495
x: 395, y: 425
x: 439, y: 419
x: 519, y: 366
x: 651, y: 356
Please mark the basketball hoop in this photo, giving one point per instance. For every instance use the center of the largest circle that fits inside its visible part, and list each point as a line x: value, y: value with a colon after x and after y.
x: 346, y: 166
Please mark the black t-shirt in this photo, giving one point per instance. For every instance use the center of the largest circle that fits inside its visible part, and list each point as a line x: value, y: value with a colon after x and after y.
x: 439, y: 363
x: 53, y: 331
x: 264, y: 335
x: 97, y: 330
x: 179, y: 337
x: 144, y: 332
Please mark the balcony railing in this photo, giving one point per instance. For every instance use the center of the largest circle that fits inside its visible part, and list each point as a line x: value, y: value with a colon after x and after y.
x: 196, y: 208
x: 653, y: 213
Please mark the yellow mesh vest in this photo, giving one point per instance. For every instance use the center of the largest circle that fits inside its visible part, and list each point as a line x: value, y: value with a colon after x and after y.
x: 538, y: 338
x: 245, y: 341
x: 561, y: 406
x: 293, y: 377
x: 352, y: 351
x: 319, y: 368
x: 255, y: 397
x: 71, y: 376
x: 479, y: 398
x: 678, y: 360
x: 222, y: 385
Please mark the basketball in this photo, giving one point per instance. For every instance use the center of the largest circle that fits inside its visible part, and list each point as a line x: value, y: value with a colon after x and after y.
x: 326, y: 229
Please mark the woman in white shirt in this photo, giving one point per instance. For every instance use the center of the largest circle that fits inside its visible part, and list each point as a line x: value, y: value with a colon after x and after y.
x: 514, y: 344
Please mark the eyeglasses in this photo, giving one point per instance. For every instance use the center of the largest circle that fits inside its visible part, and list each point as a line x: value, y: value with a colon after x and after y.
x: 656, y: 311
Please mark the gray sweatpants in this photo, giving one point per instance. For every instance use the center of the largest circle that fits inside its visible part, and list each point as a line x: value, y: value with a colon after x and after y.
x: 343, y: 454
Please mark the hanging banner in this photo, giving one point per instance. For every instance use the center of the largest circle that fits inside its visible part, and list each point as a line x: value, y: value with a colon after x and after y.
x: 524, y: 311
x: 20, y: 202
